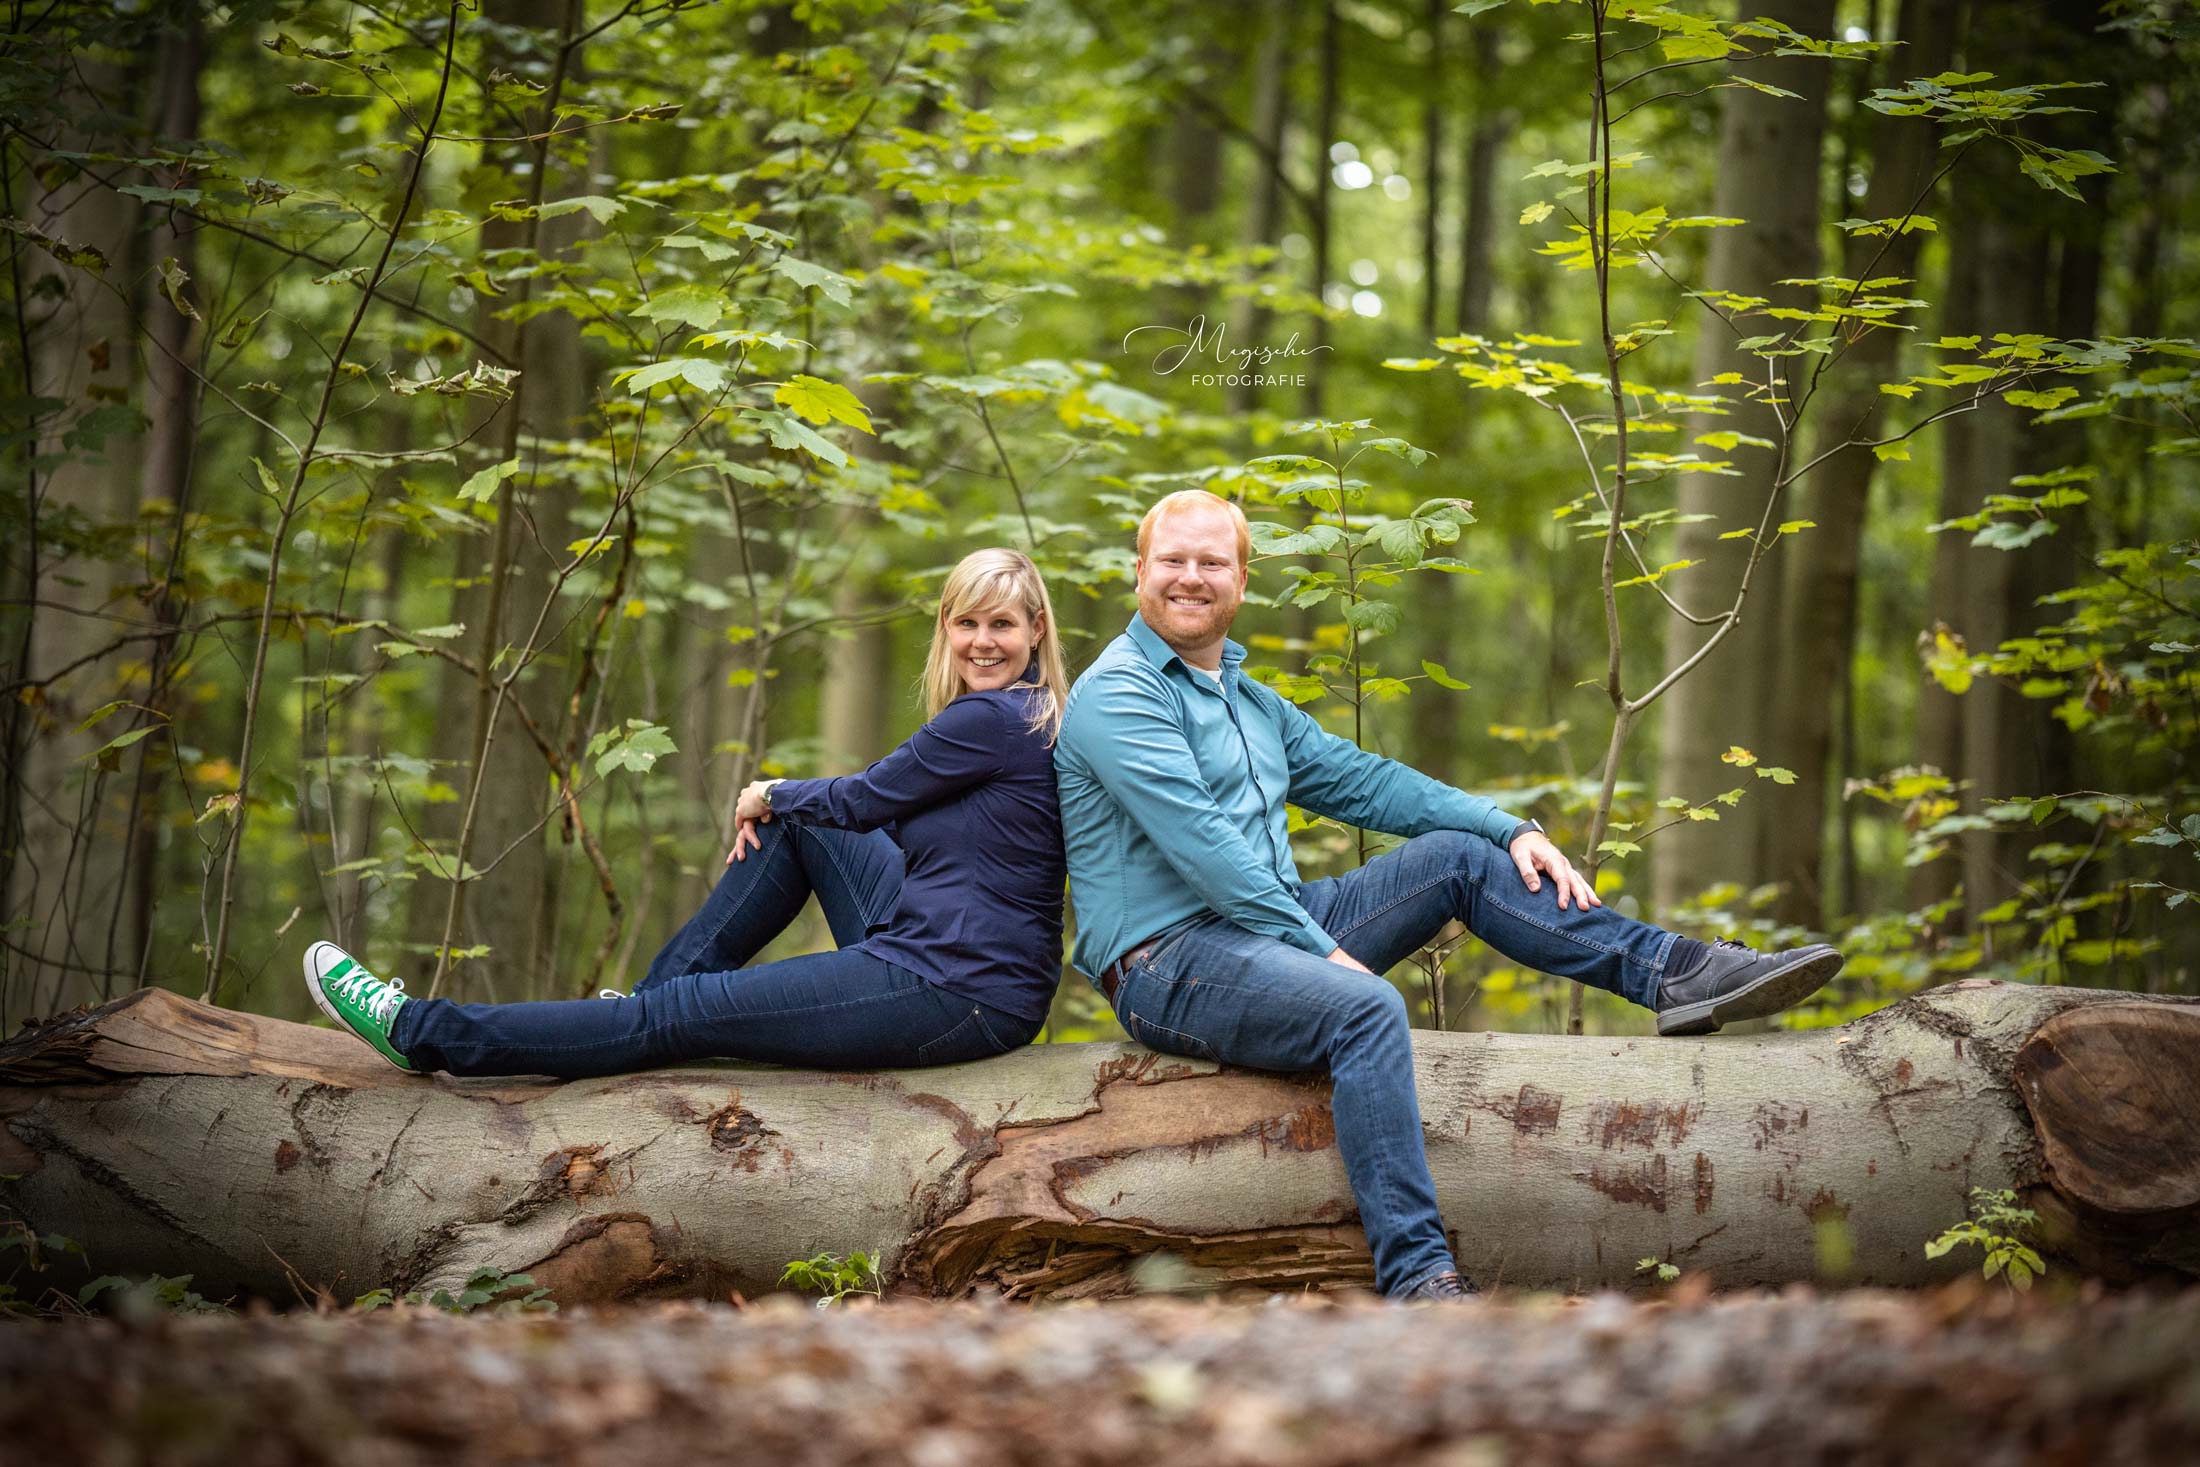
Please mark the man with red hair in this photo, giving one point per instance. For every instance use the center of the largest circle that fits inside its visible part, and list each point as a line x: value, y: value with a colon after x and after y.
x: 1174, y: 771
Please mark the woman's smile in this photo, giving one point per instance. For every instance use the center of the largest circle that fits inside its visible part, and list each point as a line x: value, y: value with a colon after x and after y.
x: 991, y: 646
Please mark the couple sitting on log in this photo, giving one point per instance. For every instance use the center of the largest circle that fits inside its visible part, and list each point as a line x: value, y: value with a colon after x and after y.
x: 1158, y: 783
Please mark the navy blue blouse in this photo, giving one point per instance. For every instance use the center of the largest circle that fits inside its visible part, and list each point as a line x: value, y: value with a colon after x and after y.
x: 970, y: 800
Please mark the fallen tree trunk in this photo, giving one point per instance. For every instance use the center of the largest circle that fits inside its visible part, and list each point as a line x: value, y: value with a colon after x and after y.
x: 267, y: 1156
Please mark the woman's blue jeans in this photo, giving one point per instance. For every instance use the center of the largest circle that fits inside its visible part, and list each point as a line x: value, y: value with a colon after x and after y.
x: 1209, y: 989
x: 836, y: 1010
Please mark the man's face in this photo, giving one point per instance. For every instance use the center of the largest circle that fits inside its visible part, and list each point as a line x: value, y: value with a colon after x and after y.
x: 1189, y: 581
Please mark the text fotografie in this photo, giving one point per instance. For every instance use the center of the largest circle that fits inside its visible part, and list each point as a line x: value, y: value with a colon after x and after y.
x: 1235, y: 366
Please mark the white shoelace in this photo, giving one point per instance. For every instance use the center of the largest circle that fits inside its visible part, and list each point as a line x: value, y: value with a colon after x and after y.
x: 378, y: 998
x: 609, y: 993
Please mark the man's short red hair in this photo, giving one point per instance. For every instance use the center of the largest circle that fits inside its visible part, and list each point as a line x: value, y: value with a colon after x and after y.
x: 1185, y: 499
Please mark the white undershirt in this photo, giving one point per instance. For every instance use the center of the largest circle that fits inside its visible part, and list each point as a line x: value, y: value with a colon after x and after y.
x: 1212, y: 674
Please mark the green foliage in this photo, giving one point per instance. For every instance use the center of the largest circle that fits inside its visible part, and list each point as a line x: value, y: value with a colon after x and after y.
x: 2118, y: 673
x: 173, y: 1294
x: 1970, y: 112
x: 1347, y: 557
x: 637, y: 746
x: 834, y: 1279
x: 133, y: 1297
x: 485, y: 1288
x: 2001, y: 1228
x: 814, y: 306
x: 1665, y: 1272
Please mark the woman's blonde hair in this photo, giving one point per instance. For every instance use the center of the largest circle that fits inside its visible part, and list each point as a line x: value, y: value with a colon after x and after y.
x: 981, y: 581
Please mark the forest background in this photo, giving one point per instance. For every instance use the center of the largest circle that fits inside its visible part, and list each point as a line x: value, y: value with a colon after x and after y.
x: 452, y: 447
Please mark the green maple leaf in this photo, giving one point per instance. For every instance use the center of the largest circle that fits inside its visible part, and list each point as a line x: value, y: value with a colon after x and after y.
x: 823, y: 402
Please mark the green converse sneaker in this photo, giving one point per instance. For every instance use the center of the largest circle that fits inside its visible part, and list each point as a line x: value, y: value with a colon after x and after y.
x: 355, y: 998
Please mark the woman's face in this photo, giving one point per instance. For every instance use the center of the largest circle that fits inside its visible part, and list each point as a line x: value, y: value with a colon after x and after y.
x: 991, y: 647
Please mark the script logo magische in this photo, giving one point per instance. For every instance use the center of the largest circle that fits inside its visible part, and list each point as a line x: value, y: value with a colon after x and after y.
x: 1234, y: 366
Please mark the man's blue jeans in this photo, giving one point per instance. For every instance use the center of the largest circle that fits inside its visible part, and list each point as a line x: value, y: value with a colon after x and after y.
x: 1209, y: 989
x: 835, y: 1010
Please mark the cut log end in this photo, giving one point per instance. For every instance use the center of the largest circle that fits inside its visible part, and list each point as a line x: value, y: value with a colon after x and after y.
x: 2114, y: 1090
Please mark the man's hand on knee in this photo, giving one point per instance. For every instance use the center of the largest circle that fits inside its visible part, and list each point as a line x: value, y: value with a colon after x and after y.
x: 1534, y: 852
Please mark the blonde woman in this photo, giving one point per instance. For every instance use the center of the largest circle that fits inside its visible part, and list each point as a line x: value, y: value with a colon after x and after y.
x: 939, y: 870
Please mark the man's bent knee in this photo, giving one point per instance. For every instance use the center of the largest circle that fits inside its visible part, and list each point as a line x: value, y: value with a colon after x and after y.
x: 1472, y: 856
x: 1451, y: 849
x: 1374, y: 1006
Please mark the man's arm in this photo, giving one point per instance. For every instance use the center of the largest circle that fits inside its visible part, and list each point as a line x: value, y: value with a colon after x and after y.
x: 1333, y: 776
x: 1126, y: 733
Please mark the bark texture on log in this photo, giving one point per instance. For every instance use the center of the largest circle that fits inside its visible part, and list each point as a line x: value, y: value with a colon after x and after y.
x: 173, y: 1138
x: 1862, y: 1377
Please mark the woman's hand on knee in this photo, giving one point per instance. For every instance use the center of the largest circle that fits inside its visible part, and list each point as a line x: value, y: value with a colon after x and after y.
x: 745, y: 837
x: 751, y: 809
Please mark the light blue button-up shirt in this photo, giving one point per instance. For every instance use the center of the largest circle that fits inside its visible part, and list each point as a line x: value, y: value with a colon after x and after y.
x: 1173, y: 792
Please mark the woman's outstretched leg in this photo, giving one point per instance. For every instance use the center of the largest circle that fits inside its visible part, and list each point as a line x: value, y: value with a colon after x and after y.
x: 837, y: 1010
x: 852, y: 1011
x: 856, y: 879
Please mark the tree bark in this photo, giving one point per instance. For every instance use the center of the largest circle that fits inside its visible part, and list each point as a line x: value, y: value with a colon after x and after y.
x: 1768, y: 171
x: 172, y: 1138
x: 66, y: 860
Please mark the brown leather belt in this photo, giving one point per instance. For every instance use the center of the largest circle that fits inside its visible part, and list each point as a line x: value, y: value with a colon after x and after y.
x: 1112, y: 976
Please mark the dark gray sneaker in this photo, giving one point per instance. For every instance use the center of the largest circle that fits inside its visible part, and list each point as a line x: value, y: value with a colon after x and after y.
x: 1737, y: 982
x: 1440, y: 1288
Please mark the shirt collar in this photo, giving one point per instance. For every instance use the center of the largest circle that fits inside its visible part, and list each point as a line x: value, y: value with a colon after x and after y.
x: 1161, y: 654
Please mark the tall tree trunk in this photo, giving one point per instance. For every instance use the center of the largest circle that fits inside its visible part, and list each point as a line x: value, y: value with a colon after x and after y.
x: 1478, y: 214
x: 1264, y: 216
x: 2158, y: 187
x: 1435, y: 21
x: 1188, y: 154
x: 1436, y: 712
x: 513, y: 914
x: 1767, y: 173
x: 857, y: 680
x: 1324, y: 134
x: 1193, y: 161
x: 2013, y: 275
x: 65, y: 864
x: 172, y: 398
x: 1818, y: 618
x: 1940, y: 712
x: 355, y: 794
x: 2038, y: 271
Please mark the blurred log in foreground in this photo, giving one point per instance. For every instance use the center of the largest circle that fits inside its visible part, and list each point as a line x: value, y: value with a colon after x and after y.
x: 266, y: 1156
x: 1864, y: 1376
